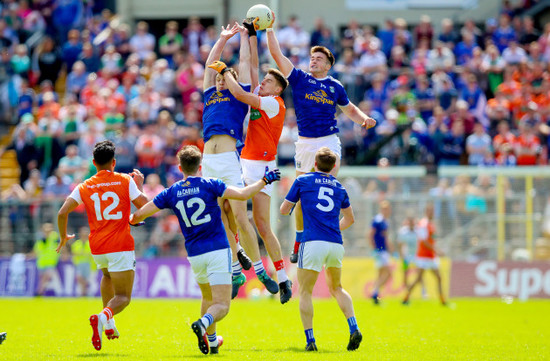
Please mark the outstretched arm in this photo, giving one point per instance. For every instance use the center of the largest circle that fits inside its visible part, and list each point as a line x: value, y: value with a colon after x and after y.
x: 215, y: 53
x: 284, y: 63
x: 254, y: 62
x: 357, y: 116
x: 244, y: 57
x: 234, y: 87
x: 250, y: 191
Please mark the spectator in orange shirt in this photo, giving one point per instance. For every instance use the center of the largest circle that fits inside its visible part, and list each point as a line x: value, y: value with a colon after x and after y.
x: 504, y: 136
x: 527, y: 145
x: 497, y: 110
x: 49, y: 105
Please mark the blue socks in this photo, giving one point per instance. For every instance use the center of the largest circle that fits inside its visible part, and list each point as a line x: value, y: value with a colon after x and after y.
x: 299, y: 235
x: 309, y: 336
x: 352, y: 323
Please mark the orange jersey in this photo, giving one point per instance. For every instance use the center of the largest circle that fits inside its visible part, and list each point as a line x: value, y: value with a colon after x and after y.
x: 425, y: 231
x: 264, y: 129
x: 107, y: 197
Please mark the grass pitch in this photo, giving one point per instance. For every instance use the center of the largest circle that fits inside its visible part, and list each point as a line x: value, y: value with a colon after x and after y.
x: 58, y: 329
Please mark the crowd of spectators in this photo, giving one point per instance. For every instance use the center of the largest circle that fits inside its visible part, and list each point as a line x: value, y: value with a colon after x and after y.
x: 476, y: 94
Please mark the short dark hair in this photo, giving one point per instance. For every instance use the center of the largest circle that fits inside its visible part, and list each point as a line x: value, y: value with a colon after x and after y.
x: 324, y: 50
x: 280, y: 78
x: 325, y: 159
x: 190, y: 159
x: 232, y: 72
x: 104, y: 152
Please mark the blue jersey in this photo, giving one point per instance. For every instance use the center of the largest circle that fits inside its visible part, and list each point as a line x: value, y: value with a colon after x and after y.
x: 195, y: 203
x: 223, y: 114
x: 322, y: 198
x: 380, y: 226
x: 315, y: 103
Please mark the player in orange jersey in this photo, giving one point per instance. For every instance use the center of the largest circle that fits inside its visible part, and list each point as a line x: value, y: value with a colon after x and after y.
x: 267, y: 115
x: 107, y: 197
x: 426, y: 255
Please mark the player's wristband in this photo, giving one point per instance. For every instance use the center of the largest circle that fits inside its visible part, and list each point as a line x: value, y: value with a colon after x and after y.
x: 224, y: 70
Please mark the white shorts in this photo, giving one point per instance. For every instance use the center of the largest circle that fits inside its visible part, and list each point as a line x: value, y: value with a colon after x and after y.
x: 427, y: 263
x: 254, y: 170
x: 212, y: 267
x: 116, y: 261
x: 306, y: 149
x: 313, y: 255
x: 382, y: 258
x: 225, y: 166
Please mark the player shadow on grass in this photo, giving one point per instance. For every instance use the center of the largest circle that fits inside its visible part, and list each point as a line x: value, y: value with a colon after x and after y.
x: 102, y: 355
